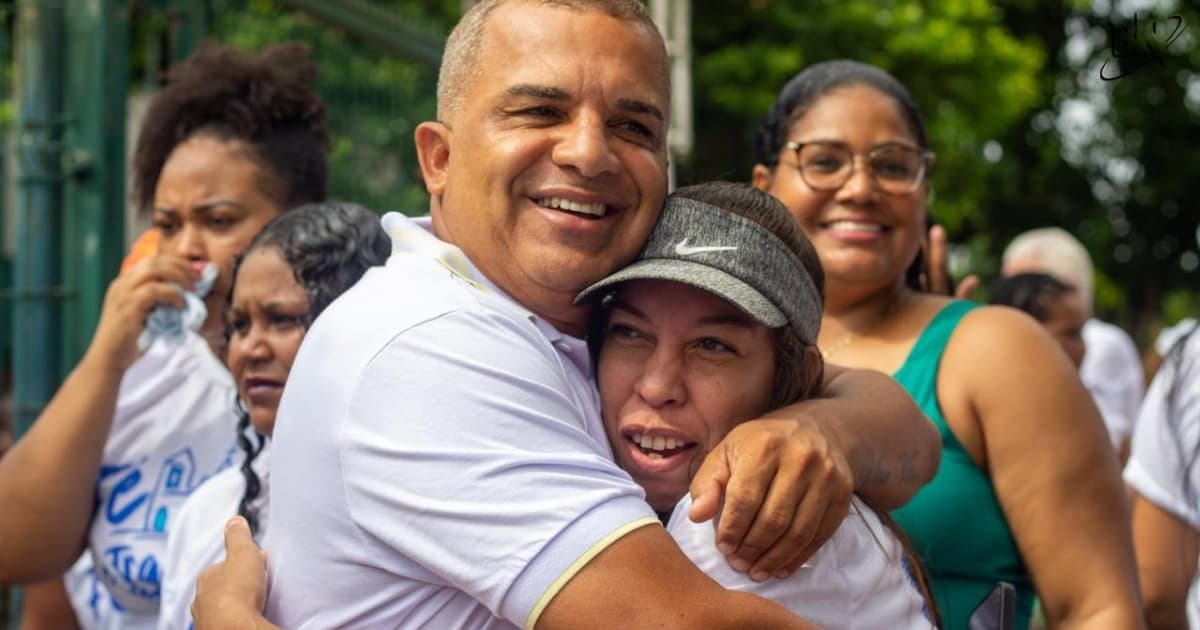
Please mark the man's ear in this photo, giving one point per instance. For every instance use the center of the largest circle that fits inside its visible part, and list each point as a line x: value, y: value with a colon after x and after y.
x: 433, y: 154
x: 760, y: 177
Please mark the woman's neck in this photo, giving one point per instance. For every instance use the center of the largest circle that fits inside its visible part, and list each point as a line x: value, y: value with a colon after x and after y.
x: 851, y: 319
x: 856, y: 311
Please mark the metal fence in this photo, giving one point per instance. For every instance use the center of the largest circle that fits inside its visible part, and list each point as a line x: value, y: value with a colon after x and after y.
x: 72, y: 73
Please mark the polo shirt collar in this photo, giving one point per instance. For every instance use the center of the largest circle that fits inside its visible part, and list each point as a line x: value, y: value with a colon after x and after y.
x: 406, y: 238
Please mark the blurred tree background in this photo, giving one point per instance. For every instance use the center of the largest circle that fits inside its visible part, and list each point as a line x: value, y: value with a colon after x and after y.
x: 1027, y: 131
x: 375, y: 98
x: 1083, y: 114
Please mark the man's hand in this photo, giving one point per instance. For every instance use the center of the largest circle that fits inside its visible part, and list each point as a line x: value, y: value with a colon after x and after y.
x: 937, y: 268
x: 786, y: 490
x: 231, y: 593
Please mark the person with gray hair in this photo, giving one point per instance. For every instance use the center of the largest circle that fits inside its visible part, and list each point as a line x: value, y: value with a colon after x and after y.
x: 1111, y: 368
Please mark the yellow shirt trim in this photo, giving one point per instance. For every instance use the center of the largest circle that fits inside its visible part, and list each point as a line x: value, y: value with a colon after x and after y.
x: 581, y: 562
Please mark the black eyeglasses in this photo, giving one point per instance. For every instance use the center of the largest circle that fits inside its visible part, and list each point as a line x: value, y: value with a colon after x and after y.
x: 898, y: 169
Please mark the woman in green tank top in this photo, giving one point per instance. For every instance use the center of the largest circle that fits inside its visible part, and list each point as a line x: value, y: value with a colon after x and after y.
x: 1028, y: 491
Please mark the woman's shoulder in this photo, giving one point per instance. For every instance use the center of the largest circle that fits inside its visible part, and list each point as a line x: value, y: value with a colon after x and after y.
x: 990, y: 328
x: 996, y: 348
x: 214, y: 501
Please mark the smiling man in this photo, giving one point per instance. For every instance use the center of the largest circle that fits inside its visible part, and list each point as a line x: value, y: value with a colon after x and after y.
x: 439, y: 457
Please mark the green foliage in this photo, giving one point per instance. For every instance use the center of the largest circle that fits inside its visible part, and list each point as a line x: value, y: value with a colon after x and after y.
x: 374, y: 99
x: 993, y: 78
x: 973, y: 78
x: 1137, y: 221
x: 995, y: 82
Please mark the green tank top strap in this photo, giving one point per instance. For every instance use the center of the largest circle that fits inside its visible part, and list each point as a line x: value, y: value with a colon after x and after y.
x: 920, y: 369
x: 955, y: 521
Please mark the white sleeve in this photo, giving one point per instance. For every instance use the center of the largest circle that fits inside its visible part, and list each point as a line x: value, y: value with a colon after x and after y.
x: 1112, y: 373
x: 857, y: 579
x: 195, y: 541
x: 465, y: 451
x: 1163, y: 464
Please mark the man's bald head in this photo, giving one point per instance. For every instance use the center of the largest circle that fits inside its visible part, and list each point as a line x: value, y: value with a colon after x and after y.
x: 464, y: 46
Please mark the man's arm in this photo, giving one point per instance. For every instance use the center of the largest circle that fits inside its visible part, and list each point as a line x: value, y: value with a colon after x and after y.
x: 640, y: 581
x: 786, y: 479
x: 47, y: 480
x: 892, y: 448
x: 1166, y: 549
x: 643, y: 580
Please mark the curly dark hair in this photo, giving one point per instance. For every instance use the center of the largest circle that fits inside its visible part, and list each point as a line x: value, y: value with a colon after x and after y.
x: 329, y: 246
x: 1032, y: 292
x: 265, y: 101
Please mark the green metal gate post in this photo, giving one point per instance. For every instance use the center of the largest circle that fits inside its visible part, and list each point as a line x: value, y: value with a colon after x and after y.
x: 38, y: 178
x: 96, y: 91
x: 38, y: 174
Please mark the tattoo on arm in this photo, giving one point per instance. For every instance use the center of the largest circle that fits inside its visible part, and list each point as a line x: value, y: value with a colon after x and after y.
x: 873, y: 469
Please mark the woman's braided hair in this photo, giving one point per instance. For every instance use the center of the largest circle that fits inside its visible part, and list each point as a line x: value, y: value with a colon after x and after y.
x: 329, y: 246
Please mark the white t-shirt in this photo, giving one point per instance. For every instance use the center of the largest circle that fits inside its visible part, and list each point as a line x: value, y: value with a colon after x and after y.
x: 1112, y: 373
x: 1163, y: 462
x: 439, y: 459
x: 91, y: 603
x: 1169, y: 335
x: 174, y: 427
x: 857, y: 579
x: 196, y: 539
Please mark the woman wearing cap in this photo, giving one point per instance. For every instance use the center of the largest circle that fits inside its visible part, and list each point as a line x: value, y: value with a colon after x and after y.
x: 1028, y: 491
x: 714, y: 324
x: 230, y: 142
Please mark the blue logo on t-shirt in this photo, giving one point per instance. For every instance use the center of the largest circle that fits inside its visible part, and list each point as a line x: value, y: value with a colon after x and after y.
x: 138, y: 507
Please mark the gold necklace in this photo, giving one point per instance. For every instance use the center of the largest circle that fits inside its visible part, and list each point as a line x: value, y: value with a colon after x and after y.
x: 849, y: 336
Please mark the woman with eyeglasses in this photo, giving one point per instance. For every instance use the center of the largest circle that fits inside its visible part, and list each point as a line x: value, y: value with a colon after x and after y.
x: 1028, y: 491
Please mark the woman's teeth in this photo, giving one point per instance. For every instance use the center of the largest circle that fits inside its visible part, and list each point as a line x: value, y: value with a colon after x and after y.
x: 855, y: 226
x: 657, y: 446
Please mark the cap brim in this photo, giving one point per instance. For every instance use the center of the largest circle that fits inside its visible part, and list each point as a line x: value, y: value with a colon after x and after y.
x: 701, y: 276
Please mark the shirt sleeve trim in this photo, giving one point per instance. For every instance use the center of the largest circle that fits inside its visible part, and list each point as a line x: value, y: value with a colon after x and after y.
x: 1144, y: 483
x: 581, y: 562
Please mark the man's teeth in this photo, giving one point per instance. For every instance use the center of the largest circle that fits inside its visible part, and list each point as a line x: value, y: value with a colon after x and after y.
x: 558, y: 203
x: 656, y: 443
x: 855, y: 226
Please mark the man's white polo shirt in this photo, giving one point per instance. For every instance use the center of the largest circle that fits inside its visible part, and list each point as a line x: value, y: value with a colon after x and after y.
x: 439, y: 459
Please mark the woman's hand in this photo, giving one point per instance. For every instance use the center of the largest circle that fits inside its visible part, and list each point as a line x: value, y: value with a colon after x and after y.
x: 937, y: 268
x: 129, y: 299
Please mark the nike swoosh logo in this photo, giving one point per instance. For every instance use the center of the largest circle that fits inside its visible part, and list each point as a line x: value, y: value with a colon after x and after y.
x: 682, y: 248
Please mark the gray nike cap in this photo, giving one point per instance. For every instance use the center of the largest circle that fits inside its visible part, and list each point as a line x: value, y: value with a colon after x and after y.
x: 730, y: 256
